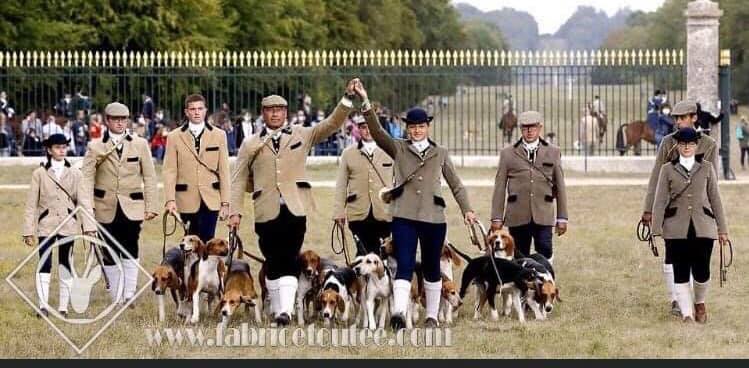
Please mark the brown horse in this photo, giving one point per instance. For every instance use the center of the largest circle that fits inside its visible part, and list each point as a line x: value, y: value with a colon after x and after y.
x: 508, y: 123
x: 632, y: 135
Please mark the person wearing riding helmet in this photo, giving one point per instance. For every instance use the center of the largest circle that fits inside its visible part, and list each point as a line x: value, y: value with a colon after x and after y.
x: 685, y: 116
x: 418, y: 208
x: 56, y: 190
x: 688, y: 215
x: 665, y: 124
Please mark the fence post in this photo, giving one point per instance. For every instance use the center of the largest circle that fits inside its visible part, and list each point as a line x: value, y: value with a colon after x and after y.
x: 725, y: 124
x: 703, y: 21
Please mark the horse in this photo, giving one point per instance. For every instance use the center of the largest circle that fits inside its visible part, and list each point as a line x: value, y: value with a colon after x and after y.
x: 632, y: 135
x: 508, y: 123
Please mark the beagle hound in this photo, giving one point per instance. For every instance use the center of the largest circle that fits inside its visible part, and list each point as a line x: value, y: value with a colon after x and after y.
x: 311, y: 269
x: 543, y: 291
x: 514, y: 280
x: 207, y: 274
x: 239, y: 289
x: 503, y: 244
x: 169, y: 275
x: 378, y: 289
x: 339, y: 293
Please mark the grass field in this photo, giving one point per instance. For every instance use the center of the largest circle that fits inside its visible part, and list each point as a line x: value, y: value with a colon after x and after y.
x: 614, y: 299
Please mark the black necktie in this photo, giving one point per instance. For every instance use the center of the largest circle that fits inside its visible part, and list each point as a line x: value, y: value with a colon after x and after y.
x: 276, y: 143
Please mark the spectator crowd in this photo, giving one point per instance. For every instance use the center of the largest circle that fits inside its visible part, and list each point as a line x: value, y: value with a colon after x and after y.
x: 74, y: 117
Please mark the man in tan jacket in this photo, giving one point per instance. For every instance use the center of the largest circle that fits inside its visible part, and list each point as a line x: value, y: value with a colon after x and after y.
x: 196, y: 171
x: 56, y: 189
x: 685, y: 116
x: 529, y: 180
x: 120, y: 175
x: 271, y: 164
x: 418, y: 208
x: 363, y: 171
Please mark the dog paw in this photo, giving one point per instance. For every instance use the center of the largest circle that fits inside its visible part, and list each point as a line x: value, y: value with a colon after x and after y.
x: 495, y: 315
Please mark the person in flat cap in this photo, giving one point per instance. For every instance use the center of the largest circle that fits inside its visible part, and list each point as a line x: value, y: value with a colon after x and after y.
x: 120, y: 175
x: 56, y: 190
x: 364, y: 169
x: 688, y: 214
x: 417, y: 206
x: 271, y: 164
x: 528, y: 184
x: 196, y: 172
x: 684, y: 114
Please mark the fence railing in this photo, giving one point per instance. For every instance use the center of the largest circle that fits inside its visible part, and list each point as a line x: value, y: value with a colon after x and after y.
x: 468, y: 91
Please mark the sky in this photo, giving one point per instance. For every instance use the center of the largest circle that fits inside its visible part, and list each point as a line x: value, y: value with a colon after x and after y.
x: 551, y: 14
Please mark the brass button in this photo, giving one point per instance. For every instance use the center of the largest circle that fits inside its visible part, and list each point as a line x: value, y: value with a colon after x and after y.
x: 531, y: 181
x: 531, y: 194
x: 421, y: 163
x: 418, y: 191
x: 421, y: 178
x: 689, y: 208
x: 278, y: 171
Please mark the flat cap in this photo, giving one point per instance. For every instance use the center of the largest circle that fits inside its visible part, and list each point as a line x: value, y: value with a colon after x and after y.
x: 274, y: 100
x: 684, y: 108
x: 116, y: 109
x: 530, y: 118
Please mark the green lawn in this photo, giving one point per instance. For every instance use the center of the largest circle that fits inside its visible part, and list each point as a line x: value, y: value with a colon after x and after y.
x: 614, y: 299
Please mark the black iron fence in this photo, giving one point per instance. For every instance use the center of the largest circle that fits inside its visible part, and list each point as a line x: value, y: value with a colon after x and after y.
x: 468, y: 92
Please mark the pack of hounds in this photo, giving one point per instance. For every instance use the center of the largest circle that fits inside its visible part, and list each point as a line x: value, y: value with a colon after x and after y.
x: 357, y: 294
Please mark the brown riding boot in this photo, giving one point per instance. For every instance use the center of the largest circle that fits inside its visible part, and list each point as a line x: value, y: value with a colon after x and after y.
x: 700, y: 313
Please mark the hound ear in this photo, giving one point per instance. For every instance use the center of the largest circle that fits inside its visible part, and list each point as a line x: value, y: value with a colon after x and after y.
x: 457, y: 261
x: 173, y: 278
x: 153, y: 283
x: 341, y: 304
x: 556, y: 295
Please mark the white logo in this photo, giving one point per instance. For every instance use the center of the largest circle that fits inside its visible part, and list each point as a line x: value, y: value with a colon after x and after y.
x: 81, y: 286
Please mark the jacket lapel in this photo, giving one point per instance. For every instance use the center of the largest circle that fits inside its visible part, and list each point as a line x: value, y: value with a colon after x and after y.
x: 188, y: 140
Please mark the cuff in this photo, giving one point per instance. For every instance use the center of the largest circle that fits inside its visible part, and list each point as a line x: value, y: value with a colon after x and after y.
x: 366, y: 106
x: 497, y: 220
x: 562, y: 220
x: 345, y: 101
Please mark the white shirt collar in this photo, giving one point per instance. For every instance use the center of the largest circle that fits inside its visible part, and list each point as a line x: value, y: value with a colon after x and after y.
x: 687, y: 162
x: 57, y: 167
x: 196, y: 129
x: 116, y: 138
x: 420, y: 145
x: 369, y: 147
x: 531, y: 146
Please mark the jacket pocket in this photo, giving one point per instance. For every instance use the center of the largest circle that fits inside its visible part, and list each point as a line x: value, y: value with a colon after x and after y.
x: 512, y: 198
x: 549, y: 198
x: 132, y: 159
x: 256, y: 194
x: 137, y: 196
x: 295, y: 145
x: 439, y: 201
x: 43, y: 215
x: 387, y: 164
x: 212, y: 148
x: 351, y: 198
x: 670, y: 212
x: 304, y: 185
x: 99, y: 193
x: 216, y: 185
x: 180, y: 187
x: 708, y: 212
x: 548, y: 164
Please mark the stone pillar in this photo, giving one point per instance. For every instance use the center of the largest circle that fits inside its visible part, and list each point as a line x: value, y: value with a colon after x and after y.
x: 703, y: 50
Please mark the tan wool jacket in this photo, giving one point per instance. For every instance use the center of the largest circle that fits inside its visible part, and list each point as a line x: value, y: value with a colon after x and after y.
x: 421, y: 198
x: 272, y: 176
x: 186, y: 180
x: 523, y: 193
x: 47, y: 205
x: 698, y: 201
x: 358, y: 184
x: 128, y: 179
